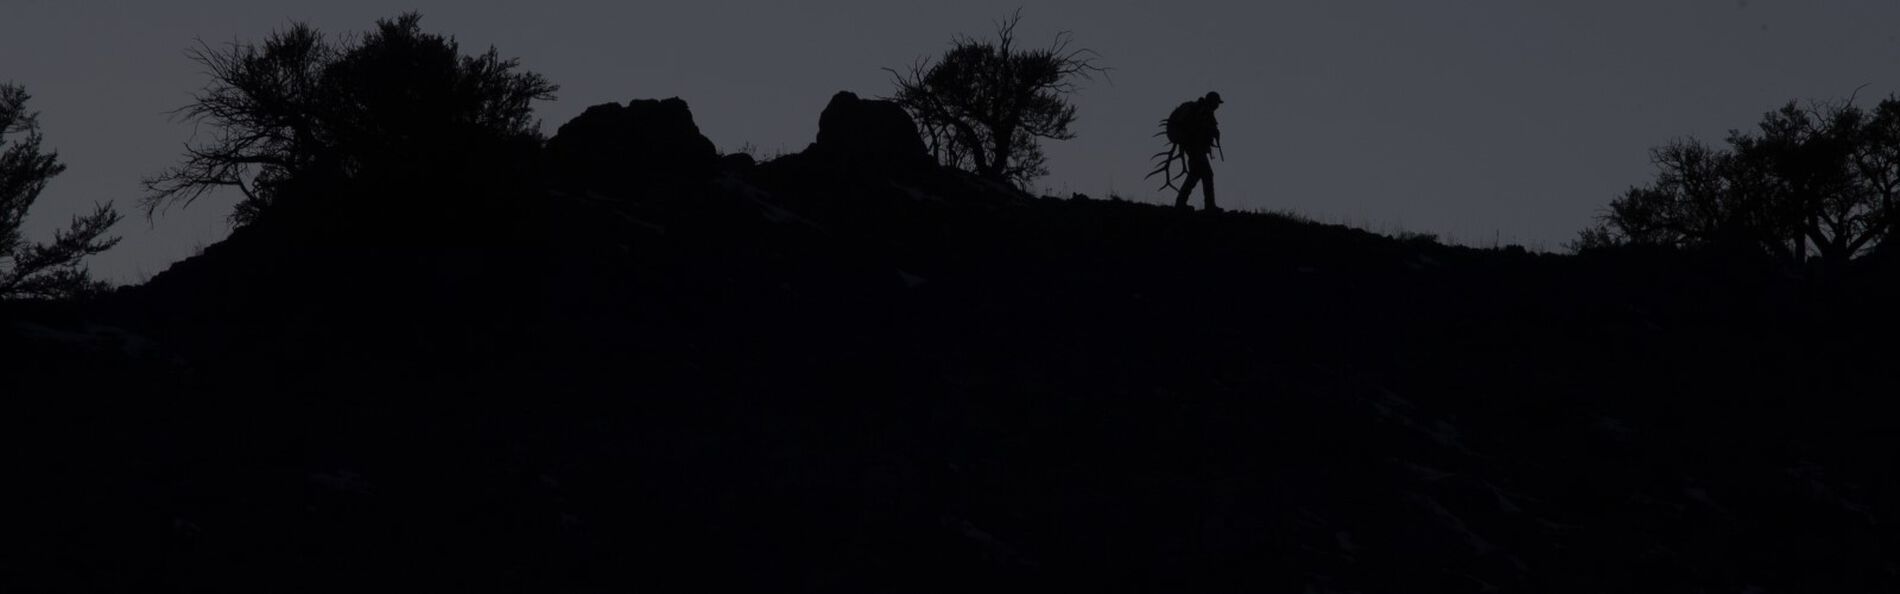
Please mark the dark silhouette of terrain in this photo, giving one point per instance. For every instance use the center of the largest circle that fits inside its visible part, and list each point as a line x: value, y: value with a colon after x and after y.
x: 850, y: 369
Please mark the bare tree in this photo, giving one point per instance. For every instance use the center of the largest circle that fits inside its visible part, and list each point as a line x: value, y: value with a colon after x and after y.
x: 1808, y: 159
x: 985, y: 105
x: 1875, y: 157
x: 40, y: 270
x: 263, y: 105
x: 1821, y: 180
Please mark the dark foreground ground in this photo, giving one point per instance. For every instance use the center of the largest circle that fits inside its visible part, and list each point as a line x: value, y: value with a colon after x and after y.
x: 781, y: 383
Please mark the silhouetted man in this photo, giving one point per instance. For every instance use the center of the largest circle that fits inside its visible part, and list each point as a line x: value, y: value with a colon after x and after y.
x: 1192, y: 128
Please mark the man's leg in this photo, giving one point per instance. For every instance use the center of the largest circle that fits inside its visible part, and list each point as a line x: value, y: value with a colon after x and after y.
x: 1207, y: 191
x: 1187, y: 188
x: 1202, y: 171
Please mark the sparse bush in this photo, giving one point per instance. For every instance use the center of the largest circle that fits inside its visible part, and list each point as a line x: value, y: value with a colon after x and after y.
x: 1821, y: 180
x: 985, y: 105
x: 302, y: 113
x: 41, y: 270
x: 1418, y: 238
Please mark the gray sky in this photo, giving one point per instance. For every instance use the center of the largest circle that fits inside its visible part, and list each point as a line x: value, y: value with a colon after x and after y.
x: 1472, y: 119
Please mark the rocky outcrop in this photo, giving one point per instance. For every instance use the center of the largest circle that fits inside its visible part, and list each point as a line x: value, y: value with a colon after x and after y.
x: 626, y: 148
x: 868, y: 133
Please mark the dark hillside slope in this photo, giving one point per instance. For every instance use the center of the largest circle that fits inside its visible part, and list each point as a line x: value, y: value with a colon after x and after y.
x: 815, y: 375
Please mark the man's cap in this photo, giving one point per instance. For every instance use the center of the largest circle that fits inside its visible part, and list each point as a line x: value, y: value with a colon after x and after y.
x: 1213, y: 96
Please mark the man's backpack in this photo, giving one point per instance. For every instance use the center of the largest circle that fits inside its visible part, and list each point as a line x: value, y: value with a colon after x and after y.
x: 1190, y: 131
x: 1183, y: 125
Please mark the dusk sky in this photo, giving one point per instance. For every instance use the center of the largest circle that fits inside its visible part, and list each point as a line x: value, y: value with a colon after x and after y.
x: 1471, y: 119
